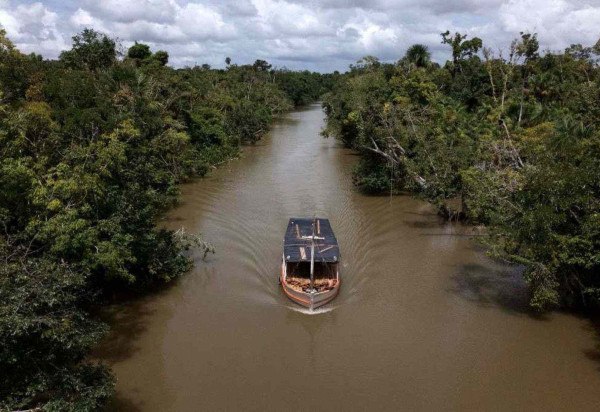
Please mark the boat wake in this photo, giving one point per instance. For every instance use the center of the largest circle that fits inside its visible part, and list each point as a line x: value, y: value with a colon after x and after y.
x: 307, y: 311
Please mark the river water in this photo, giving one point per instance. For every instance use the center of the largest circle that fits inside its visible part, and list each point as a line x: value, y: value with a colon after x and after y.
x: 424, y: 320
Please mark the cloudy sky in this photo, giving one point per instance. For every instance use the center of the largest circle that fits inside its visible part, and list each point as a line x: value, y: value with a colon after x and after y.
x: 321, y: 35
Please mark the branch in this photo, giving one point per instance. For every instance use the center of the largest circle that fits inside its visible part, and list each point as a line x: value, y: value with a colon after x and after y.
x: 418, y: 179
x: 514, y: 150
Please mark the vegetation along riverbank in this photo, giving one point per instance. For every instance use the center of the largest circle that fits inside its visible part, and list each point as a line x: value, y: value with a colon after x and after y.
x: 506, y: 139
x: 93, y: 147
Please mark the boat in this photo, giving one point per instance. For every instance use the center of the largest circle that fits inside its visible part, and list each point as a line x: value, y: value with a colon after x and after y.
x: 310, y: 273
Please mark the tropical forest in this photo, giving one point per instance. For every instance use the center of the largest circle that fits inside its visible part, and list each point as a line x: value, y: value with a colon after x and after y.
x: 101, y: 146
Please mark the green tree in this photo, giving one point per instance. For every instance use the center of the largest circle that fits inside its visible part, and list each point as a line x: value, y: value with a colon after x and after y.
x: 139, y: 51
x: 261, y: 65
x: 91, y: 50
x: 162, y: 57
x: 462, y: 49
x: 418, y: 55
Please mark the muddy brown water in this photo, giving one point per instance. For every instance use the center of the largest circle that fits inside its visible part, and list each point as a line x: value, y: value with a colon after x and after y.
x: 424, y: 320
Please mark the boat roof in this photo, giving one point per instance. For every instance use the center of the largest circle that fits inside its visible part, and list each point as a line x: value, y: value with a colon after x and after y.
x: 297, y: 242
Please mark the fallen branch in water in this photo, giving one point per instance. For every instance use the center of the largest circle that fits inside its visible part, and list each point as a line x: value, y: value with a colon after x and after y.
x: 188, y: 241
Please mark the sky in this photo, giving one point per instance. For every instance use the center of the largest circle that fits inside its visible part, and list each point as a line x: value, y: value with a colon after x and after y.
x: 321, y: 35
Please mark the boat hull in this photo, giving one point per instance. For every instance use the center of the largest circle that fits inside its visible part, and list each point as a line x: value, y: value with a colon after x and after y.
x: 308, y: 300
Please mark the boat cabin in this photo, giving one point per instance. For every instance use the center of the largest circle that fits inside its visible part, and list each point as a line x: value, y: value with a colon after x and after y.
x: 311, y: 256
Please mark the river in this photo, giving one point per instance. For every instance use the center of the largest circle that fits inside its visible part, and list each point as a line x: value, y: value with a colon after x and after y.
x: 424, y: 321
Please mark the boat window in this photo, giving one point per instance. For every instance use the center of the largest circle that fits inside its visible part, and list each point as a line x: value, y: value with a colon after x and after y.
x: 302, y: 270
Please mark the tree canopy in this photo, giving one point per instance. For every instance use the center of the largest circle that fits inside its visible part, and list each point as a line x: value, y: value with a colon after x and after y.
x: 510, y: 141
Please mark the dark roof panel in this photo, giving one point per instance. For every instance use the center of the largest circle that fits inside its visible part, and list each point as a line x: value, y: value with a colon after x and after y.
x: 297, y: 249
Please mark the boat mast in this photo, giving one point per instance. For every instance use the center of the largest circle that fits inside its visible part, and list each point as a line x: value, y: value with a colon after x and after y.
x: 312, y: 257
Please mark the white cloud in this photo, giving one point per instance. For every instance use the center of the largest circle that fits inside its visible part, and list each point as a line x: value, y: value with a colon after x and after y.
x: 33, y: 27
x: 323, y: 35
x: 200, y: 22
x: 157, y: 11
x: 283, y: 19
x: 181, y: 24
x: 557, y: 22
x: 82, y: 18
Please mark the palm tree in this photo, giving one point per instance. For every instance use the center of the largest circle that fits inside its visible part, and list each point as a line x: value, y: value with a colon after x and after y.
x: 418, y: 54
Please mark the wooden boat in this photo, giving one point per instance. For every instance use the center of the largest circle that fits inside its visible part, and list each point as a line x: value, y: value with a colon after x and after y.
x: 310, y: 264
